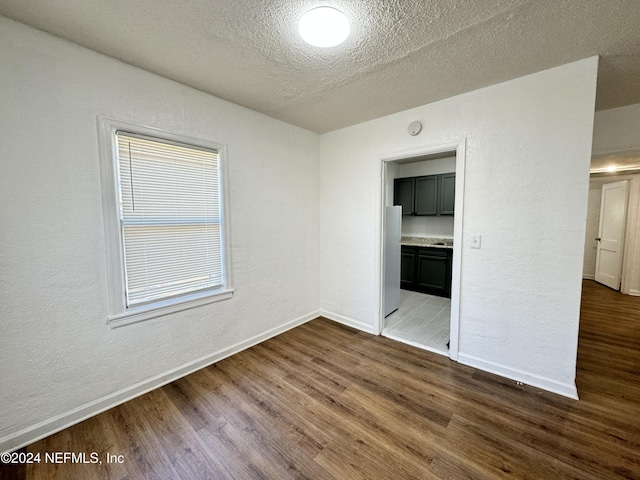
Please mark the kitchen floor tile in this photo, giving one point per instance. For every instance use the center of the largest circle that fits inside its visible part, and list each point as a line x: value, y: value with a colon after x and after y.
x: 421, y: 319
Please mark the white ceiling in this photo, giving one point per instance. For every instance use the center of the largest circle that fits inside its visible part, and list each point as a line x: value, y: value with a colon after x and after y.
x: 401, y: 54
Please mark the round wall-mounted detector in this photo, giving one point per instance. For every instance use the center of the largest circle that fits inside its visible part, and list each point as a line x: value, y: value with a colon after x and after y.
x: 415, y: 128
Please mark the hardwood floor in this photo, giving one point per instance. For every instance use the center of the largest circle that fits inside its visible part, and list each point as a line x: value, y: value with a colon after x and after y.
x: 327, y: 402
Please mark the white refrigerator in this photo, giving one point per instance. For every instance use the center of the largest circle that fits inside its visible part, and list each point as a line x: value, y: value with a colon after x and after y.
x: 392, y: 234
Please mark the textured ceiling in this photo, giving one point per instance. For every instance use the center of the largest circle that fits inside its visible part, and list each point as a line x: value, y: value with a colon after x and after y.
x: 401, y: 53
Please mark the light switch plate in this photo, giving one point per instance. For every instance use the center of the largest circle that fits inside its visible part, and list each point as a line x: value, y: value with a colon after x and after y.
x: 476, y: 241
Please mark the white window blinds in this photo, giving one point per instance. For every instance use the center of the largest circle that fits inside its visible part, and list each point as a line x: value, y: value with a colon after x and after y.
x: 170, y: 218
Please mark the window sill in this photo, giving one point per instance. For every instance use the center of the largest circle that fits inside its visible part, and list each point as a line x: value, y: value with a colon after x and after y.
x: 168, y: 307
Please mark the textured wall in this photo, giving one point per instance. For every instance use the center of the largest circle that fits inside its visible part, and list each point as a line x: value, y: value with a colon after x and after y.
x: 56, y: 351
x: 527, y: 175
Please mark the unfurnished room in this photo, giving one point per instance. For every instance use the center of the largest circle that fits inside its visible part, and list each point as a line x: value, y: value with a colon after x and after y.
x: 338, y: 240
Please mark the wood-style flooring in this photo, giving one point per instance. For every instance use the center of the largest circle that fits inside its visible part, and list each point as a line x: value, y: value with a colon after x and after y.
x: 324, y: 401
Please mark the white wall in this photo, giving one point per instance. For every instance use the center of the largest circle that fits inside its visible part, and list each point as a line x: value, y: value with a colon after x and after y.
x: 527, y: 177
x: 430, y: 227
x: 440, y: 227
x: 617, y: 130
x: 427, y: 167
x: 57, y: 355
x: 631, y: 261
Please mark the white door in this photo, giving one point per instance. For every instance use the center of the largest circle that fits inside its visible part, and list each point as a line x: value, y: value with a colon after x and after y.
x: 610, y: 240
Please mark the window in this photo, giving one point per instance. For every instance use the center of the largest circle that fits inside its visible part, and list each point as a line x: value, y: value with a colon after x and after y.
x: 166, y: 219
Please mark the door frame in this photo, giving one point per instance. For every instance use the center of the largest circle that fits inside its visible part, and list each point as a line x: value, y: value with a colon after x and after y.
x: 458, y: 146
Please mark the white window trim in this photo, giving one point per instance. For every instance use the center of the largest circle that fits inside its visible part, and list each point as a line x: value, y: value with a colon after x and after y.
x: 119, y: 314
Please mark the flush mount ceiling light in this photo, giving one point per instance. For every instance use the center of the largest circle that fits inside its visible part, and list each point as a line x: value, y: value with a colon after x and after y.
x: 324, y: 27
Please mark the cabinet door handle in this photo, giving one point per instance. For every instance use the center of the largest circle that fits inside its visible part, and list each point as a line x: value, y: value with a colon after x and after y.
x: 598, y: 238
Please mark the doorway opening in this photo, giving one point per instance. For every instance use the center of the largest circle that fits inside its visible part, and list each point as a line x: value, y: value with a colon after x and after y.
x: 421, y: 218
x: 612, y: 244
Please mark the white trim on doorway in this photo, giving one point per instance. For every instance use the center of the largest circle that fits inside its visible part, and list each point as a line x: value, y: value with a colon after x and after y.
x: 458, y: 146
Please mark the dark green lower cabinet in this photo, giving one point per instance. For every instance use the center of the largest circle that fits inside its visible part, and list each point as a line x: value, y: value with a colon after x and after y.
x: 407, y: 268
x: 426, y: 270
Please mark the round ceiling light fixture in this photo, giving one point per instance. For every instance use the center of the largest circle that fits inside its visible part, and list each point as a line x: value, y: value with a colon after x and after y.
x: 324, y: 27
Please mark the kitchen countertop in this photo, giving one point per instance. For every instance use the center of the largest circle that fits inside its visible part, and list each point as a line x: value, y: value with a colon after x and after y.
x: 426, y: 242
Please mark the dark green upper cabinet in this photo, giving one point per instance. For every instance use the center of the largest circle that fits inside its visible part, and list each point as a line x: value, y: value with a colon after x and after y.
x: 403, y: 194
x: 428, y: 195
x: 447, y: 193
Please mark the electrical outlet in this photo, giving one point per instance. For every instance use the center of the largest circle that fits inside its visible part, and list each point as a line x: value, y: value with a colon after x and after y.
x: 476, y: 241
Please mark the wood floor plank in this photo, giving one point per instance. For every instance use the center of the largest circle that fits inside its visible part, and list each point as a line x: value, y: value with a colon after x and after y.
x: 502, y: 456
x: 325, y: 401
x: 299, y: 441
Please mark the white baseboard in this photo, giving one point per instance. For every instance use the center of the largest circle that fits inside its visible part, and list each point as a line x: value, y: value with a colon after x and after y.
x: 564, y: 389
x: 588, y: 277
x: 635, y: 293
x: 349, y: 322
x: 60, y: 422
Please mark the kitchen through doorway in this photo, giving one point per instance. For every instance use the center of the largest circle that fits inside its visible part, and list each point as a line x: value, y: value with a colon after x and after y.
x: 420, y: 255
